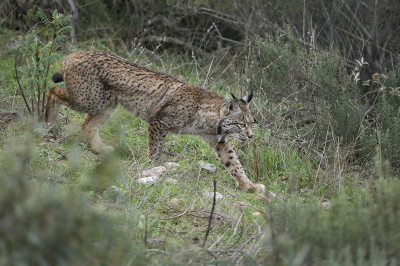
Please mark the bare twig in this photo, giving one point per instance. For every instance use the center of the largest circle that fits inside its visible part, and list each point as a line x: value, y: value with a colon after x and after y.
x: 247, y: 205
x: 19, y: 84
x: 212, y: 211
x: 257, y: 172
x: 245, y: 243
x: 173, y: 217
x: 158, y: 250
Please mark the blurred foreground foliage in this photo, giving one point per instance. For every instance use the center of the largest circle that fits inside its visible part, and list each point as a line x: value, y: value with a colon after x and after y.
x: 360, y: 228
x: 45, y: 224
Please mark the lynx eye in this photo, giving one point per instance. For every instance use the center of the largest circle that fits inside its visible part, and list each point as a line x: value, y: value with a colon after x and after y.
x: 243, y: 126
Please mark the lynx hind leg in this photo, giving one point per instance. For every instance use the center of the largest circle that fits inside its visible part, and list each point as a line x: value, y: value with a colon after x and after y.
x: 231, y: 162
x: 155, y: 141
x: 91, y: 125
x: 56, y: 96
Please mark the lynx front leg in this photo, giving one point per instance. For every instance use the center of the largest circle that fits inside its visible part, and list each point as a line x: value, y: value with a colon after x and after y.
x: 56, y: 96
x: 231, y: 162
x: 91, y: 126
x: 156, y: 141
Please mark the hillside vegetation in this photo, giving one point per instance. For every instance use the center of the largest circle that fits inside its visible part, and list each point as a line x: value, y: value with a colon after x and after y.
x: 326, y: 81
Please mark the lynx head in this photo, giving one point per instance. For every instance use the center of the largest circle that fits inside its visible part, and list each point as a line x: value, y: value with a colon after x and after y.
x: 236, y: 120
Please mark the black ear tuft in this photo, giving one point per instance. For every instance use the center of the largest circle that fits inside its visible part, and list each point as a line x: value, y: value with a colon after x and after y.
x: 233, y: 96
x: 248, y: 98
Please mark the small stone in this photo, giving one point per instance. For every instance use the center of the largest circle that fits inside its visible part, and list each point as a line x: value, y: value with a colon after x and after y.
x: 153, y: 171
x: 262, y: 197
x: 257, y: 213
x: 149, y: 179
x: 326, y: 205
x: 114, y: 192
x: 238, y: 205
x: 172, y: 180
x: 116, y: 189
x: 211, y: 195
x: 168, y: 165
x: 207, y: 166
x: 175, y: 201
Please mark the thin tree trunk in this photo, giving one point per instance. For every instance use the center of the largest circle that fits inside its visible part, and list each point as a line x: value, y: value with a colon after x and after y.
x: 74, y: 18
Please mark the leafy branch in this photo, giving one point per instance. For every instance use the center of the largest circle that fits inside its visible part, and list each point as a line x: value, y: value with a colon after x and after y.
x: 39, y: 56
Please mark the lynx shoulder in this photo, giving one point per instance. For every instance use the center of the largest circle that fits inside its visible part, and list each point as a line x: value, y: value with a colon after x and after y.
x: 96, y: 82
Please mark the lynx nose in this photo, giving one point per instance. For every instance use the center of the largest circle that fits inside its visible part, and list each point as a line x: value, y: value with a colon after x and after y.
x: 250, y: 135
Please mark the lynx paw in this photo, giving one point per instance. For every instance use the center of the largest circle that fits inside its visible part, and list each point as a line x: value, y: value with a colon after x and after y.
x: 256, y: 188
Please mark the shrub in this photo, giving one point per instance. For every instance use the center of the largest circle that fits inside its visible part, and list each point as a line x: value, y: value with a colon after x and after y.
x: 44, y: 225
x: 39, y: 56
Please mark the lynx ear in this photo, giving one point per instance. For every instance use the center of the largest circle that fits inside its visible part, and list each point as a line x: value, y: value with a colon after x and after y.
x: 248, y: 98
x: 233, y: 96
x: 232, y: 106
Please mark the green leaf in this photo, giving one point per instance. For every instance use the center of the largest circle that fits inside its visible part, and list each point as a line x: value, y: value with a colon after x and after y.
x: 43, y: 17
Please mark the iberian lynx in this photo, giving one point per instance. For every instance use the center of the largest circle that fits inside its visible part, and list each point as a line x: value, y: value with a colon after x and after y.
x: 96, y: 82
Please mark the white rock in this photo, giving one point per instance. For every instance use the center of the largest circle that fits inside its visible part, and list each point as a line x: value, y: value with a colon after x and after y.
x: 207, y: 166
x: 149, y: 179
x: 211, y: 195
x: 153, y: 171
x: 169, y: 165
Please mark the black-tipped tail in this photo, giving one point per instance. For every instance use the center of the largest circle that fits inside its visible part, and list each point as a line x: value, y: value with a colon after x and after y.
x: 57, y: 77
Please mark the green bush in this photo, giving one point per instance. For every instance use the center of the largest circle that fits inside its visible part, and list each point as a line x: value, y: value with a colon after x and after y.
x: 307, y: 84
x: 359, y: 231
x: 39, y: 55
x: 382, y: 126
x: 47, y: 225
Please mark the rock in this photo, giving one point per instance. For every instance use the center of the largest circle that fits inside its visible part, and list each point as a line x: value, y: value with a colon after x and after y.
x: 149, y: 179
x: 207, y: 166
x: 211, y: 195
x: 238, y: 205
x: 172, y: 180
x: 153, y: 171
x: 257, y: 214
x: 175, y: 201
x: 326, y: 205
x: 116, y: 190
x: 262, y: 197
x: 169, y: 165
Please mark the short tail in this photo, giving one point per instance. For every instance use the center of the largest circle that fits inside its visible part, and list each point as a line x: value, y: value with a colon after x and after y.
x: 58, y: 77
